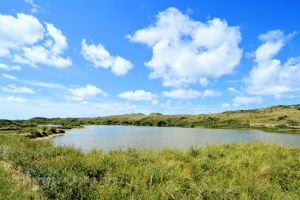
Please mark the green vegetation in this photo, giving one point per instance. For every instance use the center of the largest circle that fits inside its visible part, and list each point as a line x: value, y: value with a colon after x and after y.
x: 284, y: 119
x: 44, y: 132
x: 14, y: 186
x: 276, y: 118
x: 31, y: 169
x: 25, y: 126
x: 235, y: 171
x: 14, y: 125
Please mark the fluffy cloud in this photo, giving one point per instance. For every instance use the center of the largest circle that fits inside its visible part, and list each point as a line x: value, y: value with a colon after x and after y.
x: 211, y: 93
x: 19, y: 31
x: 48, y: 53
x: 233, y: 90
x: 86, y: 92
x: 184, y: 107
x: 12, y: 99
x: 100, y: 57
x: 9, y: 68
x: 187, y: 51
x: 269, y: 76
x: 15, y: 89
x: 138, y: 95
x: 243, y: 100
x: 183, y: 94
x: 226, y: 106
x: 9, y: 76
x: 24, y: 39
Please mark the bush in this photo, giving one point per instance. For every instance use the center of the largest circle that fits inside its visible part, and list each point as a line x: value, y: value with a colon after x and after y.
x: 292, y: 123
x: 44, y: 131
x: 61, y: 131
x: 282, y: 117
x: 281, y: 126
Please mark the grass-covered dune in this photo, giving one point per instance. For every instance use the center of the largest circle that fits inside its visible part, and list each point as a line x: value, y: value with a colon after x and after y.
x: 276, y: 118
x: 234, y: 171
x: 285, y: 119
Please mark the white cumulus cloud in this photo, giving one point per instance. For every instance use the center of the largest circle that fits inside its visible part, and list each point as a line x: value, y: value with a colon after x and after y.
x: 185, y: 51
x: 48, y: 53
x: 233, y: 90
x: 211, y: 93
x: 243, y: 100
x: 19, y: 31
x: 24, y: 39
x: 16, y: 89
x: 100, y: 57
x: 13, y: 99
x: 86, y: 92
x: 269, y: 76
x: 183, y: 94
x: 138, y: 95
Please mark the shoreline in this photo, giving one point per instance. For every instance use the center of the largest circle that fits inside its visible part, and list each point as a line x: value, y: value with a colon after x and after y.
x: 196, y: 127
x: 56, y: 135
x: 295, y: 131
x: 49, y: 136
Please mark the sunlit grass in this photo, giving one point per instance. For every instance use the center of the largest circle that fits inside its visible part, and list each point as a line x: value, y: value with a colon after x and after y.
x: 14, y: 185
x: 235, y: 171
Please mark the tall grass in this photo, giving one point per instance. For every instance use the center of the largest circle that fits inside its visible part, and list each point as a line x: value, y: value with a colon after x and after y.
x: 235, y: 171
x: 14, y: 186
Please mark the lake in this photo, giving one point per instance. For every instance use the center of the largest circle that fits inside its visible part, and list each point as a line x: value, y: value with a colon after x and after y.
x: 122, y: 137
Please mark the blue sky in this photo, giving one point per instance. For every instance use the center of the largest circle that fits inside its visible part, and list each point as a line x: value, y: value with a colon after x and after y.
x: 95, y: 58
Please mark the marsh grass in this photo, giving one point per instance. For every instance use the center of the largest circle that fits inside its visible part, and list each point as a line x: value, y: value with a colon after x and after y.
x: 15, y: 186
x: 234, y: 171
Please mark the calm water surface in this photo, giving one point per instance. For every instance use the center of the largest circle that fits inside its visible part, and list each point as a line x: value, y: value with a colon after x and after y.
x: 122, y: 137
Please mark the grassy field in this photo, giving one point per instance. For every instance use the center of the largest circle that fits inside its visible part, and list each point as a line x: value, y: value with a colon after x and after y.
x: 284, y: 119
x: 235, y: 171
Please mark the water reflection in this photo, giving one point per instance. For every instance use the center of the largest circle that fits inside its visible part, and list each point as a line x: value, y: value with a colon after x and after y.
x: 121, y: 137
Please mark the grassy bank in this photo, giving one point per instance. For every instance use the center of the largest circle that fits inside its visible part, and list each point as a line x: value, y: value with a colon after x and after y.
x: 283, y: 119
x: 236, y: 171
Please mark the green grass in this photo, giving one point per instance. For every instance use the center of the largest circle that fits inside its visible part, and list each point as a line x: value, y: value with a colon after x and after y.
x: 13, y: 186
x: 283, y: 119
x: 235, y: 171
